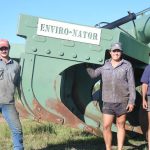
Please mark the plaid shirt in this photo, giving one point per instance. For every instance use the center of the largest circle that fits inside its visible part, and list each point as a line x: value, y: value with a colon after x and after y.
x: 118, y: 83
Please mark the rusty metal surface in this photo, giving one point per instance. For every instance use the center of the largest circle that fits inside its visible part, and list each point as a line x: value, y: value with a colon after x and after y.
x: 22, y: 111
x: 41, y: 114
x: 69, y: 118
x: 64, y: 117
x: 133, y: 129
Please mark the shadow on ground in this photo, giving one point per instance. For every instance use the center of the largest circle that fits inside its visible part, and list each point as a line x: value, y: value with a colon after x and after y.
x: 79, y: 145
x: 132, y: 142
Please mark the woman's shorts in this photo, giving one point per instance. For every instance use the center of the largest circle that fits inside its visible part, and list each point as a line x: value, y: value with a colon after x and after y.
x: 116, y: 109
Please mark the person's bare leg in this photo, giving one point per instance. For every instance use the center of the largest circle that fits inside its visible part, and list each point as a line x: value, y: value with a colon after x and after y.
x: 120, y: 122
x: 148, y: 131
x: 107, y: 134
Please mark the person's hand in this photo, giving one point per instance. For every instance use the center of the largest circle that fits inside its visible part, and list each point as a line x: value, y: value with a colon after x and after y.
x: 130, y: 107
x: 145, y: 105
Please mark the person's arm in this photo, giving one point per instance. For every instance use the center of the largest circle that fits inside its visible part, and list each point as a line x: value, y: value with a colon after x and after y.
x: 144, y: 94
x: 145, y: 82
x: 132, y: 91
x: 93, y: 73
x: 17, y: 81
x: 131, y: 85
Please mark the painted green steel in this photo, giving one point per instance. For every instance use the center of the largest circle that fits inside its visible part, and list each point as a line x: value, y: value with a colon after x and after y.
x: 139, y: 36
x: 57, y: 48
x: 17, y: 50
x: 54, y: 69
x: 136, y: 43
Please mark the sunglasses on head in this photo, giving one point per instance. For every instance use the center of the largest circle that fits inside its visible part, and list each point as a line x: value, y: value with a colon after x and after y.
x: 4, y: 48
x: 116, y: 50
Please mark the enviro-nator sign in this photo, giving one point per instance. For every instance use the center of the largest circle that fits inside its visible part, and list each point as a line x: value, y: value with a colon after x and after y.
x: 68, y: 31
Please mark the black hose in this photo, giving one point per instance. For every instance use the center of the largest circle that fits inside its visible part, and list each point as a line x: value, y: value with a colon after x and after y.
x: 117, y: 23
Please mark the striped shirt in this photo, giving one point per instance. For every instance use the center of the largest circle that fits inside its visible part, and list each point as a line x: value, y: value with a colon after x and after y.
x: 118, y: 84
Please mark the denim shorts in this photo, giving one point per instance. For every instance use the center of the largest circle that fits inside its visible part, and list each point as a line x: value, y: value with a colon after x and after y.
x: 116, y: 109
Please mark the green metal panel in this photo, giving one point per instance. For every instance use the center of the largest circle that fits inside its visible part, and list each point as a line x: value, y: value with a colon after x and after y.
x: 55, y: 85
x: 57, y: 48
x: 17, y: 50
x: 135, y: 43
x: 140, y: 30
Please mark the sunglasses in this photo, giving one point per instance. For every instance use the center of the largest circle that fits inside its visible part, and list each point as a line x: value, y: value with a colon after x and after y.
x: 116, y: 50
x: 4, y: 48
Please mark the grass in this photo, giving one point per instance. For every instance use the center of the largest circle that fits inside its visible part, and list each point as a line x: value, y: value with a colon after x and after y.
x: 49, y: 136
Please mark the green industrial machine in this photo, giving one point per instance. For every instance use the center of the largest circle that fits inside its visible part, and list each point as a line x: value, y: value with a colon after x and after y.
x: 55, y: 85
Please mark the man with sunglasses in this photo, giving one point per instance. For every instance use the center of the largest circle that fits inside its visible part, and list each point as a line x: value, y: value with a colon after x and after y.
x: 118, y: 93
x: 9, y: 79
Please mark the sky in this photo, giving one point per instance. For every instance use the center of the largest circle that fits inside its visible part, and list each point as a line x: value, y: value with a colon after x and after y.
x: 82, y: 12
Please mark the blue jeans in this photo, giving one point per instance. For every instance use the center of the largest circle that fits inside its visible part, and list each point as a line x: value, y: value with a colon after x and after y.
x: 11, y: 116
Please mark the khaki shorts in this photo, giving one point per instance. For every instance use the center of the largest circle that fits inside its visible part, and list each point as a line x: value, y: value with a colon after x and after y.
x: 116, y: 109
